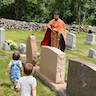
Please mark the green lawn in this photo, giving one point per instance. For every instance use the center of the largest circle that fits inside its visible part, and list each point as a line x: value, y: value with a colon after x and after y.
x: 5, y: 57
x: 82, y: 49
x: 5, y: 83
x: 20, y: 36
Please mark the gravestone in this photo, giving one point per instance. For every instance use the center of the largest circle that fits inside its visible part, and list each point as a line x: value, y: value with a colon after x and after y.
x: 5, y: 46
x: 81, y: 79
x: 22, y: 48
x: 92, y: 28
x: 52, y: 64
x: 92, y: 53
x: 71, y: 41
x: 31, y: 49
x: 90, y: 39
x: 2, y: 35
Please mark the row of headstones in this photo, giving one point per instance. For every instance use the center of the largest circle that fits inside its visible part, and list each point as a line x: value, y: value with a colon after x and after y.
x: 6, y: 46
x: 81, y: 76
x: 53, y: 64
x: 71, y: 40
x: 20, y: 47
x: 32, y: 52
x: 70, y: 44
x: 90, y: 39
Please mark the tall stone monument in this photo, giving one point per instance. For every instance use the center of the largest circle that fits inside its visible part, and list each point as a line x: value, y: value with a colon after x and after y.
x: 31, y: 49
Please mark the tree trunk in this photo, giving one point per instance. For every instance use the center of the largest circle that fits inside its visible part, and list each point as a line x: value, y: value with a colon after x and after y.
x: 19, y: 8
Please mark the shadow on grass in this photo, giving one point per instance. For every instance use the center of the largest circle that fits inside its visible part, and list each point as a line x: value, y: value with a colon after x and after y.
x: 5, y: 84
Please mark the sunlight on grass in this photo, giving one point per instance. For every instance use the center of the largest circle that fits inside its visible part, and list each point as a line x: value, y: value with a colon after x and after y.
x: 81, y: 51
x: 20, y: 36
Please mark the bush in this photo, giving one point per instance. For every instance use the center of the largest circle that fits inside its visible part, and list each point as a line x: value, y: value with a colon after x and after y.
x: 13, y: 45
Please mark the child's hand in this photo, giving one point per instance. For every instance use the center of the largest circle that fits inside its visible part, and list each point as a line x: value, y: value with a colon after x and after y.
x: 17, y: 89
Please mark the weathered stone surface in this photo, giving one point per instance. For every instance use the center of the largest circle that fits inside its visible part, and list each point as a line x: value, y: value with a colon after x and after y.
x: 92, y: 53
x: 92, y: 28
x: 2, y: 35
x: 5, y: 46
x: 22, y: 48
x: 14, y: 24
x: 90, y: 39
x: 59, y: 89
x: 71, y: 41
x: 31, y: 49
x: 52, y: 64
x: 81, y: 79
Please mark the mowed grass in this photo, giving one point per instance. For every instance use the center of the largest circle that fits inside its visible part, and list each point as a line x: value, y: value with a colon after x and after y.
x: 20, y: 36
x: 5, y: 88
x: 81, y: 51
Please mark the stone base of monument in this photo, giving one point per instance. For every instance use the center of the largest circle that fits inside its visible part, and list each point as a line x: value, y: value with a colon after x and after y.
x: 69, y: 48
x: 60, y: 89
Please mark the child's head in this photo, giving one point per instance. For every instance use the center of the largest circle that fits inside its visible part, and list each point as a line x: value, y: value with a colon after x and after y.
x: 28, y: 67
x: 16, y: 55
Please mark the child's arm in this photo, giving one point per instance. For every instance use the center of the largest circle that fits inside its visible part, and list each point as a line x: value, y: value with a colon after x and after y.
x: 21, y: 67
x: 21, y: 71
x: 34, y: 91
x: 34, y: 84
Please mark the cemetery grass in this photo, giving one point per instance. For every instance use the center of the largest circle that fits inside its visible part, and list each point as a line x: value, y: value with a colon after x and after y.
x: 81, y: 51
x: 5, y: 57
x: 20, y: 36
x: 5, y: 85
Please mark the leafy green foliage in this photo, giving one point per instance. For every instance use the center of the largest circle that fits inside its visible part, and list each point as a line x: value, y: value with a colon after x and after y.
x: 79, y: 11
x: 13, y: 45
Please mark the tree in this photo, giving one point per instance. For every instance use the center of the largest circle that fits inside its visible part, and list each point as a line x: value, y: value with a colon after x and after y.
x: 78, y: 11
x: 19, y: 8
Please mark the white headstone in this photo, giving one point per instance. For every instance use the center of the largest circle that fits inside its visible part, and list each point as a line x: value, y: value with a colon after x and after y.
x: 2, y: 35
x: 22, y: 48
x: 5, y: 46
x: 90, y: 39
x: 71, y: 41
x: 92, y: 53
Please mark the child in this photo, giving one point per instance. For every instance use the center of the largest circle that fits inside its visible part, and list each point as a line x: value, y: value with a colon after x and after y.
x: 15, y: 68
x: 27, y: 84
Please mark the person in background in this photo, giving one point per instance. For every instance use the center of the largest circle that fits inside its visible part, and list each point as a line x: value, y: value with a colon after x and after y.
x: 15, y: 68
x: 56, y: 33
x: 27, y: 84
